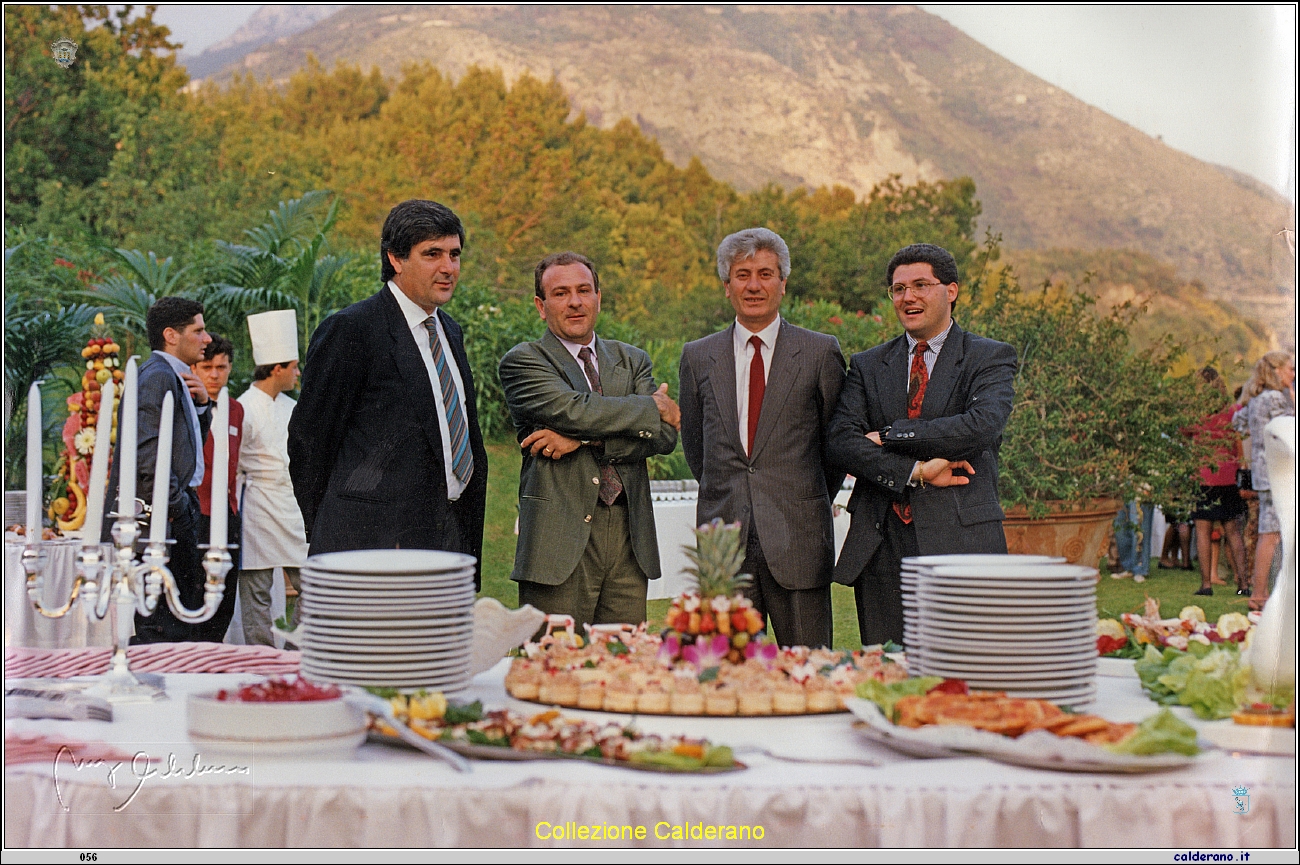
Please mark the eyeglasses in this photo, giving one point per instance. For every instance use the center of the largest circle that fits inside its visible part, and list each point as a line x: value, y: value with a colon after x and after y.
x: 918, y: 287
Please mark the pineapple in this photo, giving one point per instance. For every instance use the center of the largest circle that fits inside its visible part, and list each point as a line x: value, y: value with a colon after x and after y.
x: 719, y: 555
x: 717, y: 606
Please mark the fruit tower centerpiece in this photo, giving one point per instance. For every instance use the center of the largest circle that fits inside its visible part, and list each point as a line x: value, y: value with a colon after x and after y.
x: 714, y: 619
x: 85, y: 408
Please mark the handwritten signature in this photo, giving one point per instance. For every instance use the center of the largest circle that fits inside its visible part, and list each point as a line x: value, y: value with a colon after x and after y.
x: 140, y: 770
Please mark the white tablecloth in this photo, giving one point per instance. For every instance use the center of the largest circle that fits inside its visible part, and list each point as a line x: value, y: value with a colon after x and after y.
x: 389, y: 797
x: 26, y: 627
x: 675, y: 526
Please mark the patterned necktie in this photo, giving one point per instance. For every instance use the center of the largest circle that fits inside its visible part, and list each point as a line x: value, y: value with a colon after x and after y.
x: 611, y: 485
x: 757, y: 385
x: 462, y: 459
x: 916, y: 384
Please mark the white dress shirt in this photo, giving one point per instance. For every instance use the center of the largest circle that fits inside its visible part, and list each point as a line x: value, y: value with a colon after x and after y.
x: 181, y: 368
x: 933, y: 347
x: 415, y: 319
x: 744, y: 353
x: 574, y: 348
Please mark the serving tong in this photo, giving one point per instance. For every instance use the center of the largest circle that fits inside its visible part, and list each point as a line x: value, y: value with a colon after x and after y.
x: 381, y: 708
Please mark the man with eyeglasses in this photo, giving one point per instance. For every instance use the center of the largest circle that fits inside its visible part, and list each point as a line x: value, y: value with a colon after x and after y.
x: 918, y: 424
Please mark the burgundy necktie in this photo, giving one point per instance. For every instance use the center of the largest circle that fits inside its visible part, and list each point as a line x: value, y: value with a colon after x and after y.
x: 916, y: 383
x: 757, y: 385
x: 611, y: 485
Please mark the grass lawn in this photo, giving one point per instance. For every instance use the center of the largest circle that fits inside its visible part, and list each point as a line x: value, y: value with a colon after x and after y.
x: 1174, y: 588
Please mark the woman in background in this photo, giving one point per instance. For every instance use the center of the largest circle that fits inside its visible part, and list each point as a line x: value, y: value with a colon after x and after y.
x: 1270, y: 393
x: 1220, y: 501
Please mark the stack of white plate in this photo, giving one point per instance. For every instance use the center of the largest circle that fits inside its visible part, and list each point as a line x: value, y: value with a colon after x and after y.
x: 388, y: 618
x: 1021, y: 624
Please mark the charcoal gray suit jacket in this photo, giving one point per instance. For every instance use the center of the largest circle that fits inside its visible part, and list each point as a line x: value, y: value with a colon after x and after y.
x: 786, y: 485
x: 154, y: 380
x: 967, y: 403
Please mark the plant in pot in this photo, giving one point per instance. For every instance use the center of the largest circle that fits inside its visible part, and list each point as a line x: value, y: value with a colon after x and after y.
x: 1095, y: 422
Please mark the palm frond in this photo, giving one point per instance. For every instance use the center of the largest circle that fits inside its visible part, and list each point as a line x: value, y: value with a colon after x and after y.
x: 159, y: 278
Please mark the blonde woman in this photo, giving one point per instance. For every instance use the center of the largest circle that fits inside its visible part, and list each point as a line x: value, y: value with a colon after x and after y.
x: 1270, y: 391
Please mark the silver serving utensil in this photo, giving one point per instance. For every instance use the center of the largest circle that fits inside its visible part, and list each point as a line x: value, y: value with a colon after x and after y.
x: 382, y: 708
x: 836, y: 761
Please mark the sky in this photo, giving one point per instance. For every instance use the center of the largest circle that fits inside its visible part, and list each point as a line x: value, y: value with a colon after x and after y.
x: 1217, y: 82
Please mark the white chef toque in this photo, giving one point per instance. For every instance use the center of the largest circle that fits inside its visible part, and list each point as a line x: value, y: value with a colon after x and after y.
x: 275, y: 336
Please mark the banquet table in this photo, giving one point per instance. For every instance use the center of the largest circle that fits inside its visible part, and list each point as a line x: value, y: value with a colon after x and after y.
x: 387, y: 796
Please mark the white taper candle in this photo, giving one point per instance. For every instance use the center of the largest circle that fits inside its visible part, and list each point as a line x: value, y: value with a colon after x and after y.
x: 35, y: 486
x: 162, y: 471
x: 99, y: 465
x: 127, y: 435
x: 220, y: 468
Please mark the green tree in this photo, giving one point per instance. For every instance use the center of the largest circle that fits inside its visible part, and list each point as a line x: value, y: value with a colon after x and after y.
x: 63, y: 127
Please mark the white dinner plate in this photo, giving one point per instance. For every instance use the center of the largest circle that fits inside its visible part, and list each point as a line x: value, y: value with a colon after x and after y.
x: 957, y: 614
x: 390, y: 561
x: 433, y: 606
x: 1026, y: 648
x: 378, y: 645
x: 1018, y: 573
x: 389, y: 583
x: 383, y: 665
x: 1047, y: 665
x: 966, y: 653
x: 1000, y: 589
x: 396, y: 653
x: 374, y: 587
x: 396, y: 680
x: 1013, y: 604
x: 1015, y: 624
x: 369, y: 614
x: 967, y: 559
x: 374, y: 633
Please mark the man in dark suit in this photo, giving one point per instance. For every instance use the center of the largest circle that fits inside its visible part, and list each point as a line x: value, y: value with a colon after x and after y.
x: 919, y: 424
x: 756, y: 400
x: 178, y: 337
x: 587, y: 414
x: 384, y: 445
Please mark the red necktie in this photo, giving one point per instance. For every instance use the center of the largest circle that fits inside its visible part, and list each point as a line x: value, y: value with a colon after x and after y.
x: 917, y: 379
x: 757, y: 384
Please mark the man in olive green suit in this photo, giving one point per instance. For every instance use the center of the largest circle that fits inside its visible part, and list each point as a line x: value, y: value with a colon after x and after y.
x: 587, y: 414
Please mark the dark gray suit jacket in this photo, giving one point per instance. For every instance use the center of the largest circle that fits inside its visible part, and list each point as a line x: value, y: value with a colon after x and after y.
x: 546, y: 389
x: 365, y: 446
x: 787, y: 485
x: 154, y: 380
x: 967, y: 403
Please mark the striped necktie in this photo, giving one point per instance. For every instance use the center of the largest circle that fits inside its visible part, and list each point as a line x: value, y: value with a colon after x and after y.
x: 462, y: 459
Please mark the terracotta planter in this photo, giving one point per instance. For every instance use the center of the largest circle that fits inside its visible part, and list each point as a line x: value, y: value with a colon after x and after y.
x: 1079, y: 531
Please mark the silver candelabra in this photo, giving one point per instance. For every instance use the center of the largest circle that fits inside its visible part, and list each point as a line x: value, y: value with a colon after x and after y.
x: 128, y: 586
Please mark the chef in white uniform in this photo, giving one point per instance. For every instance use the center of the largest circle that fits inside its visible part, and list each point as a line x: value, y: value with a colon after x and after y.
x: 274, y: 536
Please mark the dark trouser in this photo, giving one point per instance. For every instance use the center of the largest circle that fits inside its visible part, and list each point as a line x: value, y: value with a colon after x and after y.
x: 878, y: 592
x: 214, y: 629
x: 800, y: 617
x: 186, y: 565
x: 608, y: 586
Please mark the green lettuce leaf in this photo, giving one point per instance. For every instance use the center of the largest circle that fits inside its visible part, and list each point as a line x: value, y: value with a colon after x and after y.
x: 885, y: 696
x: 1159, y: 734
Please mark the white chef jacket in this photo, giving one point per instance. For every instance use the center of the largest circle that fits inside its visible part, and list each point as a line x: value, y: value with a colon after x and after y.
x: 273, y: 532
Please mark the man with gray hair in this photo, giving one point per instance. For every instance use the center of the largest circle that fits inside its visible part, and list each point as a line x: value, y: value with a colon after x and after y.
x: 756, y: 400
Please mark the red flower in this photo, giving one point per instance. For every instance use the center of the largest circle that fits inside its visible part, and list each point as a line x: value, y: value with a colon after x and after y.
x: 835, y: 320
x: 63, y: 262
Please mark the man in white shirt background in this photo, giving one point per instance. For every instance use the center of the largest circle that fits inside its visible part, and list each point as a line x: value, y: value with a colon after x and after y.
x: 274, y: 535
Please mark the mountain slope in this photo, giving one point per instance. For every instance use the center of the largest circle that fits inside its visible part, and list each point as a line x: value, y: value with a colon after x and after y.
x: 820, y: 96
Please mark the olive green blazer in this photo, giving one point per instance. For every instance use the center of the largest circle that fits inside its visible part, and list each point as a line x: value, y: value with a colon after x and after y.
x: 545, y: 388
